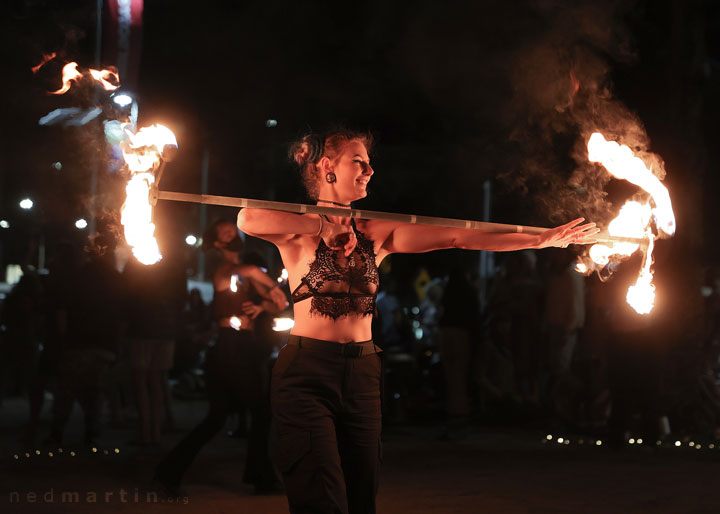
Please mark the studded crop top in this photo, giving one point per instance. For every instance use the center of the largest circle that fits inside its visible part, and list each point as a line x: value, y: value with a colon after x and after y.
x: 340, y: 285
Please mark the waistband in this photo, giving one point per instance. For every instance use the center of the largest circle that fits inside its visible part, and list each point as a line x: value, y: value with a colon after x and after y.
x: 344, y: 349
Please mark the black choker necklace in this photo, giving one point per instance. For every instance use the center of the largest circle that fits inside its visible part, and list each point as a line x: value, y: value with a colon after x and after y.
x: 335, y: 203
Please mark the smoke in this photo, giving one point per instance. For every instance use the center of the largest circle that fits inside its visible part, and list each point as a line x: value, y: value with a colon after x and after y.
x: 562, y: 92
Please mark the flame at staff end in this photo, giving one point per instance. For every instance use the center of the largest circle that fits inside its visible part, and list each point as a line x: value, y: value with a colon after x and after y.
x: 634, y: 218
x: 70, y: 74
x: 143, y: 155
x: 641, y: 296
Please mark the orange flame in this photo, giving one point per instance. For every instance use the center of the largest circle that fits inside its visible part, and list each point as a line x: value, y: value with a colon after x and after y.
x: 71, y: 74
x: 143, y: 155
x: 620, y: 161
x: 46, y: 58
x: 102, y: 76
x: 641, y: 296
x: 634, y: 218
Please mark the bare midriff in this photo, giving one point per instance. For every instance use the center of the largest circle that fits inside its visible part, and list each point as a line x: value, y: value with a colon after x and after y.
x: 348, y: 329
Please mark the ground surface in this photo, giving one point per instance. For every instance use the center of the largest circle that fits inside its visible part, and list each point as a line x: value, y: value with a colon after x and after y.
x: 491, y: 471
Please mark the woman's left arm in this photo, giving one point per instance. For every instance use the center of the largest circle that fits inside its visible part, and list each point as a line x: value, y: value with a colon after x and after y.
x: 409, y: 238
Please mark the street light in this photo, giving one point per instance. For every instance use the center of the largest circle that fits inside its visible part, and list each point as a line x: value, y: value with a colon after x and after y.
x: 26, y: 204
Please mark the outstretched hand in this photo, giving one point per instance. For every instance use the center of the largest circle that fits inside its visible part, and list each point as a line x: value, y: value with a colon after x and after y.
x: 338, y: 237
x: 570, y: 234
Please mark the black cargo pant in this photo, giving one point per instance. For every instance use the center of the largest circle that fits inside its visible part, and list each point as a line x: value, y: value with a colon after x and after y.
x: 326, y: 405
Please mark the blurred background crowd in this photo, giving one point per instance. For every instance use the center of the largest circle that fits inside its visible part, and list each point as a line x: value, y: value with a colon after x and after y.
x: 533, y: 344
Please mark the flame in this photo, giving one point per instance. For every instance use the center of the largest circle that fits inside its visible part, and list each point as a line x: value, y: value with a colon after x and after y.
x: 235, y: 323
x: 632, y: 221
x: 641, y: 296
x: 283, y: 324
x: 581, y: 267
x: 143, y: 153
x: 102, y: 76
x: 46, y: 58
x: 620, y: 161
x: 634, y: 218
x: 233, y: 283
x: 70, y: 74
x: 136, y: 217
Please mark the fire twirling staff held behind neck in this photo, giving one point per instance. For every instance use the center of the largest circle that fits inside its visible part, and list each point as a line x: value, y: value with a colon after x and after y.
x: 326, y: 382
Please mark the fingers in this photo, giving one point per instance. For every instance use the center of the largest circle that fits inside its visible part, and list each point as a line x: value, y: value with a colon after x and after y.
x: 573, y: 223
x: 350, y: 245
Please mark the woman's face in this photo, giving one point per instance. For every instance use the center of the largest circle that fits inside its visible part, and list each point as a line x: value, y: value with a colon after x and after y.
x: 353, y: 171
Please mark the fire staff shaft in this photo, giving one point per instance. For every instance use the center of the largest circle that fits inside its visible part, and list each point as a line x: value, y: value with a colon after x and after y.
x: 299, y: 208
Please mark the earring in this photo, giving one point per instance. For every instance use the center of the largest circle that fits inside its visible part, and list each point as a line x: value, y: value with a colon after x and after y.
x: 330, y: 177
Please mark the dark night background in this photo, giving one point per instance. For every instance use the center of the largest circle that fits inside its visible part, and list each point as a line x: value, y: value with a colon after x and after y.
x: 455, y: 94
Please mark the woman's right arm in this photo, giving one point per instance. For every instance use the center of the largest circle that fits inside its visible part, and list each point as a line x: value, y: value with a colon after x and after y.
x: 276, y: 226
x: 279, y: 227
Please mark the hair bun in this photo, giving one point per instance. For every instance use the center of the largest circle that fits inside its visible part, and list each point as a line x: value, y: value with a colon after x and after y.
x: 316, y: 147
x: 301, y: 152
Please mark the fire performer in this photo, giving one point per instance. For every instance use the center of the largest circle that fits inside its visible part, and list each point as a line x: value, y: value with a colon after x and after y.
x: 325, y: 388
x: 236, y: 366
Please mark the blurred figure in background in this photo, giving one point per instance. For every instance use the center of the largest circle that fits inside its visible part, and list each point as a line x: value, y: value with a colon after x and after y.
x: 155, y: 296
x: 237, y: 366
x: 88, y: 326
x: 633, y: 361
x: 458, y: 335
x: 22, y: 320
x: 58, y: 287
x: 518, y: 297
x: 563, y: 320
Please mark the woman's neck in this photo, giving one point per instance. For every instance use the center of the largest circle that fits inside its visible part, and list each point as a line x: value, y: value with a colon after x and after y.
x: 334, y: 203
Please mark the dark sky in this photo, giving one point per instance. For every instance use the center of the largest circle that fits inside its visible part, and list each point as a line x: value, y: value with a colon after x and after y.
x: 454, y: 92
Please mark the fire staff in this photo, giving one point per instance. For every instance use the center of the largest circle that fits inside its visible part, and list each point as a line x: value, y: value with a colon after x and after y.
x: 326, y: 383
